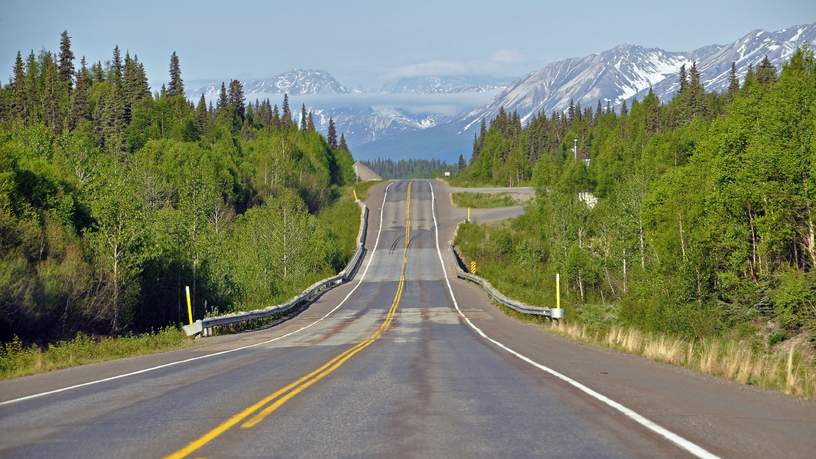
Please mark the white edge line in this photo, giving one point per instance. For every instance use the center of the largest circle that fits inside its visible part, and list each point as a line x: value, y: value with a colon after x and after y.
x: 677, y: 440
x: 215, y: 354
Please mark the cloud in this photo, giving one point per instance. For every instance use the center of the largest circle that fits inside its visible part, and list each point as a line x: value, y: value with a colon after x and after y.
x: 507, y: 56
x: 496, y: 63
x: 439, y: 67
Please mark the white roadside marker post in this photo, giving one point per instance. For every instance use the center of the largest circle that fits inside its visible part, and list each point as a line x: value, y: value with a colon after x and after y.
x: 557, y: 313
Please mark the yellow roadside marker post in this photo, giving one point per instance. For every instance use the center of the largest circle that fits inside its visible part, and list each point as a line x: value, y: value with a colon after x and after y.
x: 468, y: 214
x: 557, y: 313
x: 473, y: 267
x: 189, y: 305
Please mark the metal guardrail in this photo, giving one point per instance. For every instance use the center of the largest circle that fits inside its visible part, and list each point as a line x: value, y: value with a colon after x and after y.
x: 494, y: 294
x: 306, y: 297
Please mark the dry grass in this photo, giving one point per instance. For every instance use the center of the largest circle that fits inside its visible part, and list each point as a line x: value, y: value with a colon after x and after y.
x: 787, y: 372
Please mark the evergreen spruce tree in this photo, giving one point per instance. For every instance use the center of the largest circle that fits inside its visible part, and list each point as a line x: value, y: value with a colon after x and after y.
x: 129, y: 89
x: 223, y: 101
x: 766, y: 72
x: 696, y: 100
x: 51, y: 113
x: 135, y: 80
x: 310, y: 123
x: 18, y: 89
x: 116, y: 65
x: 176, y: 86
x: 110, y: 119
x: 343, y: 145
x: 66, y: 61
x: 733, y: 81
x: 32, y: 80
x: 202, y: 116
x: 97, y: 72
x: 236, y: 101
x: 462, y: 164
x: 332, y: 136
x: 598, y: 111
x: 286, y: 115
x: 624, y: 111
x: 276, y: 119
x: 80, y: 108
x: 683, y: 79
x: 652, y: 105
x: 303, y: 117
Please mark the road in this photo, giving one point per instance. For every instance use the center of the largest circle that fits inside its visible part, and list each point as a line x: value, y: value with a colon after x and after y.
x: 402, y: 361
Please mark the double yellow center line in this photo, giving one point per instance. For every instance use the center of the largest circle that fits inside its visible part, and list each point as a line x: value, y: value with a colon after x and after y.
x: 258, y: 411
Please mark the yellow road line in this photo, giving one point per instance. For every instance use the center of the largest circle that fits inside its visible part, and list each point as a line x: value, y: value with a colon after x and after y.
x: 281, y: 396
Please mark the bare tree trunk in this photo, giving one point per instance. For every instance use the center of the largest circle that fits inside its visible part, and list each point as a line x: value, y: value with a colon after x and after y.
x: 642, y: 245
x: 625, y: 274
x: 609, y: 280
x: 581, y: 285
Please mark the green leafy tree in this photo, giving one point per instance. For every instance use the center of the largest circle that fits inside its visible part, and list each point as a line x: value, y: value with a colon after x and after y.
x: 117, y: 239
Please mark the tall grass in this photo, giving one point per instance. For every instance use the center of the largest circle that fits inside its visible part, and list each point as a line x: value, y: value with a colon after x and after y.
x: 16, y: 359
x: 788, y: 372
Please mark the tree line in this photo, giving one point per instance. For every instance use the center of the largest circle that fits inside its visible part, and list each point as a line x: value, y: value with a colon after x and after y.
x: 408, y: 168
x: 694, y: 216
x: 113, y: 198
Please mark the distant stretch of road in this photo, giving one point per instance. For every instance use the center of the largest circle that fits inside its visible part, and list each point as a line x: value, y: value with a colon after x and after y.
x: 405, y: 360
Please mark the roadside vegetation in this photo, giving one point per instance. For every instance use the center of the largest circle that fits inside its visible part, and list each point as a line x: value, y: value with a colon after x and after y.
x: 362, y: 188
x: 697, y: 247
x: 17, y: 359
x: 113, y: 199
x: 483, y: 200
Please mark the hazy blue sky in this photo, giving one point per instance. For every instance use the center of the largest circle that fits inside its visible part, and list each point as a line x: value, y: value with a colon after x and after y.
x: 364, y: 43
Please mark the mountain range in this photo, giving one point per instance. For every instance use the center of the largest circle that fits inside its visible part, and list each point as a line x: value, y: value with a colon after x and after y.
x: 435, y: 116
x: 296, y: 82
x: 628, y: 71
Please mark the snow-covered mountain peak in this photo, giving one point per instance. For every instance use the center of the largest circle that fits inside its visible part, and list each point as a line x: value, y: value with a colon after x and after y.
x: 628, y: 71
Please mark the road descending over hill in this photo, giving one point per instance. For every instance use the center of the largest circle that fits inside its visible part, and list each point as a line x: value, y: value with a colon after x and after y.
x: 402, y: 361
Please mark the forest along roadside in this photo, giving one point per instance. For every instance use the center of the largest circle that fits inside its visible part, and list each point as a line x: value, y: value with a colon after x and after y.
x: 672, y: 239
x: 115, y: 204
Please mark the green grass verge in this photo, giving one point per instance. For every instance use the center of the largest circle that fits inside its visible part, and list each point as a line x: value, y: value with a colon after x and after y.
x: 483, y: 200
x: 17, y: 359
x: 466, y: 182
x: 362, y: 188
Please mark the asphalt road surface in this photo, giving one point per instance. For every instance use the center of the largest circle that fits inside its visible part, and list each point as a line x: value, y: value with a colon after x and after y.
x: 402, y: 361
